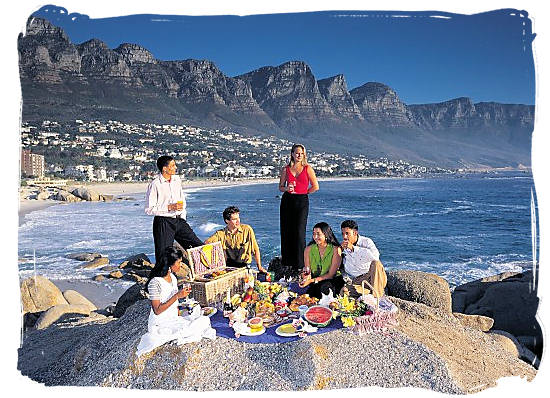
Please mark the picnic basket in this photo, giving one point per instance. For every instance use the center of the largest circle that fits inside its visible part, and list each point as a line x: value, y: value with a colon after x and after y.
x: 380, y: 320
x: 203, y: 260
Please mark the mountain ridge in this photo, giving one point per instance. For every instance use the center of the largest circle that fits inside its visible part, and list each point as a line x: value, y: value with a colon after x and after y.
x: 63, y: 80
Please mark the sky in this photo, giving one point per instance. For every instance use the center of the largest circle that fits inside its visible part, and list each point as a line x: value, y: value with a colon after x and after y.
x: 425, y: 57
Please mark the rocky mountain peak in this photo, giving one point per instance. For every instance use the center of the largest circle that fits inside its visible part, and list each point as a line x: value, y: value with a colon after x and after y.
x: 132, y: 53
x: 335, y: 91
x: 92, y: 46
x: 41, y: 27
x: 380, y: 104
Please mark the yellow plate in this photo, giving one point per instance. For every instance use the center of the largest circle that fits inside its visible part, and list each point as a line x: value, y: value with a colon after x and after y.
x: 286, y: 330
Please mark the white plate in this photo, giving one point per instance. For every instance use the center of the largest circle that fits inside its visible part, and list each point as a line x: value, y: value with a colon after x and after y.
x: 283, y: 334
x: 212, y: 313
x: 249, y: 333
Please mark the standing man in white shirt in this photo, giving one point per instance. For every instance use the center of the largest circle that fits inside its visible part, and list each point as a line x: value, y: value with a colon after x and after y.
x: 361, y: 259
x: 166, y: 201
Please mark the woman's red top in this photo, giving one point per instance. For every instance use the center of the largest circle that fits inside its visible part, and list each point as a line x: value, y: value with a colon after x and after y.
x: 302, y: 180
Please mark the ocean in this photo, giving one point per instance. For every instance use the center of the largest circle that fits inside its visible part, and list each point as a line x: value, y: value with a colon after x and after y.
x: 461, y: 227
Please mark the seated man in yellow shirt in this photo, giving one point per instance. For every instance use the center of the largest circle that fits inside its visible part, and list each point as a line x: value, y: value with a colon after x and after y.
x: 238, y: 241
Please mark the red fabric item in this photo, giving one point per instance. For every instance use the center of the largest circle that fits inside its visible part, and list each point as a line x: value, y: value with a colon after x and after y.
x: 302, y: 180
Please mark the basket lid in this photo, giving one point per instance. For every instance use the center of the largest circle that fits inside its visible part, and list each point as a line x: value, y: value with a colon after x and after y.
x: 206, y: 258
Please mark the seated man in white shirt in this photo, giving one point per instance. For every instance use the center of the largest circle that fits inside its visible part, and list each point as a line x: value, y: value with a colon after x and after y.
x: 165, y: 200
x: 361, y: 260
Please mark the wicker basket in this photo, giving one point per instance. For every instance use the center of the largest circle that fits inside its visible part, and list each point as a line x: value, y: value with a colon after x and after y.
x: 379, y: 321
x: 212, y: 291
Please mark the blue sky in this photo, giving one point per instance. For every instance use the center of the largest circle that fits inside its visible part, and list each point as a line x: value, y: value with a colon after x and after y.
x: 425, y: 59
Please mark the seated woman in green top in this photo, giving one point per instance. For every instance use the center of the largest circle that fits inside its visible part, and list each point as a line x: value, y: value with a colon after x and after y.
x: 322, y: 259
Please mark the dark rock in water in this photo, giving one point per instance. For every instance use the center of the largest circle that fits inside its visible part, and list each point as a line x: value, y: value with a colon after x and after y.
x: 83, y: 256
x: 96, y: 263
x: 108, y: 268
x: 115, y: 274
x: 134, y: 277
x: 138, y: 261
x: 134, y: 294
x: 99, y: 278
x: 420, y: 287
x: 138, y: 257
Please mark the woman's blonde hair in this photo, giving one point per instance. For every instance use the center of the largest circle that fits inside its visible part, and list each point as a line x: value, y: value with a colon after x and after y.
x: 294, y: 147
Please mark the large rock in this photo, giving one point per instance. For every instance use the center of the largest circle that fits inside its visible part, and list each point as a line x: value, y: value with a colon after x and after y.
x: 420, y: 287
x: 39, y: 294
x: 471, y: 292
x: 83, y: 256
x: 138, y: 261
x: 134, y: 294
x: 43, y: 195
x: 86, y: 194
x: 56, y: 312
x: 509, y: 298
x: 96, y: 263
x: 478, y: 322
x: 75, y: 298
x: 65, y: 196
x: 506, y: 341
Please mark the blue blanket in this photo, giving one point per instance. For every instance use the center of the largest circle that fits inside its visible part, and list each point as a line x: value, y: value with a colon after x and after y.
x: 221, y: 325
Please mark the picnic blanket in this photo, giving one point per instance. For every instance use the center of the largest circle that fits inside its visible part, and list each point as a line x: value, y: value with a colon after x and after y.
x: 221, y: 325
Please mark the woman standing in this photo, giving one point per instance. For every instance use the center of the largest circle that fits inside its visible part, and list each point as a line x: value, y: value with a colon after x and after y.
x: 322, y: 258
x: 164, y: 323
x: 297, y: 180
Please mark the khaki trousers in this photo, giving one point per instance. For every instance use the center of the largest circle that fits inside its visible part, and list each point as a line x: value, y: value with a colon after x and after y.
x: 376, y: 277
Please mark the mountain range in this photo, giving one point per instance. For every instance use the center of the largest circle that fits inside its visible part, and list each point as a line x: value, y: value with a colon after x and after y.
x: 64, y: 81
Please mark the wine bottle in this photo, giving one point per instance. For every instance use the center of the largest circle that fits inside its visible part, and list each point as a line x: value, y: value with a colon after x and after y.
x: 227, y: 307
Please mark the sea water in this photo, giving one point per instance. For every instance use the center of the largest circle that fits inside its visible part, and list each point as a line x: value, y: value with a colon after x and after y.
x: 461, y: 227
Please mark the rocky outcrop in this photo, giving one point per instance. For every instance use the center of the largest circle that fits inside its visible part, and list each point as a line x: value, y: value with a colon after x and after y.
x: 420, y: 287
x: 55, y: 313
x: 510, y: 299
x: 96, y: 263
x: 86, y: 194
x: 479, y: 322
x: 128, y: 298
x: 38, y: 294
x: 75, y: 298
x: 429, y: 350
x: 83, y: 256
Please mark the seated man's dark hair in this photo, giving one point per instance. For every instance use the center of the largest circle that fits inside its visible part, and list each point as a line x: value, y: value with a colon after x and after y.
x: 349, y: 224
x: 230, y: 211
x: 163, y: 161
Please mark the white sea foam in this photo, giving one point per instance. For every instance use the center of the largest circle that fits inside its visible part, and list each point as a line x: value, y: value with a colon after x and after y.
x: 209, y: 228
x: 457, y: 273
x: 84, y: 244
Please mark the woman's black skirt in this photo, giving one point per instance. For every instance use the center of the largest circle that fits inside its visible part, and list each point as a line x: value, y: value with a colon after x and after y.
x: 293, y: 217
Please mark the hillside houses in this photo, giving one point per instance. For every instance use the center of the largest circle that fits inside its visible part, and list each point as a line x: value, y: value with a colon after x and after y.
x: 113, y: 150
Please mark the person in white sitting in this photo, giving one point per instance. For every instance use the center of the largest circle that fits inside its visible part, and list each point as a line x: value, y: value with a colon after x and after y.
x: 361, y: 260
x: 164, y: 323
